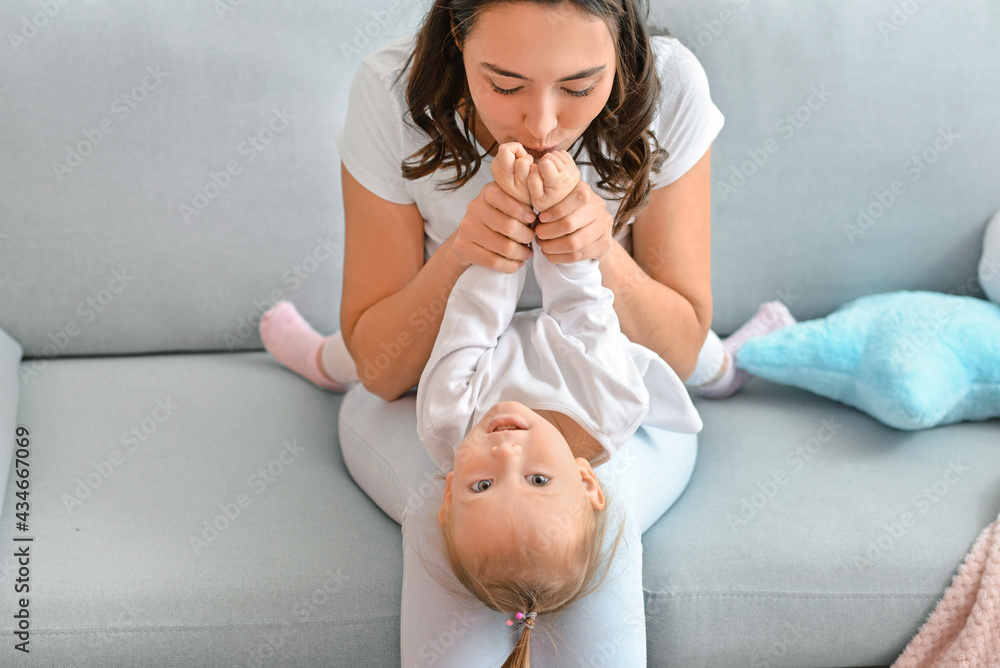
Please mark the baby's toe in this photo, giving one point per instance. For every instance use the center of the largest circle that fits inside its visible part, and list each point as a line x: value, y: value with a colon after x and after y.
x: 503, y: 164
x: 521, y: 168
x: 562, y: 156
x: 548, y: 169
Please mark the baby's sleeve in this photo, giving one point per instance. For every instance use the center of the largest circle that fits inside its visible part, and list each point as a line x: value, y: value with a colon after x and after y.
x: 479, y: 310
x: 616, y: 383
x: 574, y: 297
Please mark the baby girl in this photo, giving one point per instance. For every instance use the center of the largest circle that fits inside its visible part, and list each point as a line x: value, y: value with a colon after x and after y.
x: 518, y: 407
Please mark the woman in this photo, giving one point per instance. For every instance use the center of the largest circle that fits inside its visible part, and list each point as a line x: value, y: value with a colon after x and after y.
x: 663, y: 290
x: 425, y: 116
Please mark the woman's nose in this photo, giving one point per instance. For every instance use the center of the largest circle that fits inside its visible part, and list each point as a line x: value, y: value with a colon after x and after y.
x: 541, y: 119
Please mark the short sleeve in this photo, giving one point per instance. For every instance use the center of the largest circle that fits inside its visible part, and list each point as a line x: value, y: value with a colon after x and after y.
x: 370, y: 141
x: 687, y: 121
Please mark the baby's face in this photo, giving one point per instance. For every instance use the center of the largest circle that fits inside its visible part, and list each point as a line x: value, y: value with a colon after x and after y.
x: 516, y: 467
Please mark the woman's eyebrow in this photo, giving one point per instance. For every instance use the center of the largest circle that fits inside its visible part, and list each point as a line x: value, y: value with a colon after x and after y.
x: 589, y: 72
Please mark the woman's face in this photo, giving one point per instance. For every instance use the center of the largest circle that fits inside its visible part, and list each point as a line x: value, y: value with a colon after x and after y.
x: 558, y: 64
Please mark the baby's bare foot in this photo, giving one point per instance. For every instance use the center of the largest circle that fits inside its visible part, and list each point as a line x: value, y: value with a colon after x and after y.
x: 510, y: 171
x: 554, y: 178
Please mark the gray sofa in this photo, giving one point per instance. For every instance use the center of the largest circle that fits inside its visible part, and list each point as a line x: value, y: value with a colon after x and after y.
x: 168, y: 171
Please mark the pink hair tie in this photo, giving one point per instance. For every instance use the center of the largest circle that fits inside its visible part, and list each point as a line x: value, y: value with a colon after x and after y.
x: 522, y: 618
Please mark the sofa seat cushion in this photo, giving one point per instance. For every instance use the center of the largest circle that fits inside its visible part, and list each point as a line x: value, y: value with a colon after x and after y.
x: 195, y: 510
x: 811, y: 534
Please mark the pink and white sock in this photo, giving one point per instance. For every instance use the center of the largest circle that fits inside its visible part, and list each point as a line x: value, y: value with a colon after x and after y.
x: 337, y: 362
x: 770, y: 317
x: 294, y: 343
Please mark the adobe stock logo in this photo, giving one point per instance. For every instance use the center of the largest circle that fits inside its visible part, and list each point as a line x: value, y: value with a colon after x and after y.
x: 230, y: 511
x: 87, y: 309
x: 87, y: 484
x: 714, y: 28
x: 785, y: 127
x: 122, y: 107
x: 363, y: 35
x: 29, y: 28
x: 915, y: 167
x: 769, y: 488
x: 900, y: 16
x: 249, y: 148
x: 895, y: 529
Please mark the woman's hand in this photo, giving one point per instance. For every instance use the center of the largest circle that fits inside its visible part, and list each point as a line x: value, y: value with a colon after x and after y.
x: 577, y: 228
x: 494, y: 232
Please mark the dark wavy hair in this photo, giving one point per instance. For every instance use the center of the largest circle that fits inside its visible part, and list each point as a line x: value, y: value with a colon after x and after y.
x: 619, y: 142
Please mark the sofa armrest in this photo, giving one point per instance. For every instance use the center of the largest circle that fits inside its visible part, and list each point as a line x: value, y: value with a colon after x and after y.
x: 10, y: 390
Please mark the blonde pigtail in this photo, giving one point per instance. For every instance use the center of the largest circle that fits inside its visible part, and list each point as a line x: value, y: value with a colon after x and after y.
x: 519, y: 658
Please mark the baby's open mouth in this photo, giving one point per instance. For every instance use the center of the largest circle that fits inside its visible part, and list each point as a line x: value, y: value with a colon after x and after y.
x: 506, y: 423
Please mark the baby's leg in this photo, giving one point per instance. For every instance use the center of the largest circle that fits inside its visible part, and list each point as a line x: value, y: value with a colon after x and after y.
x: 384, y: 456
x: 608, y: 627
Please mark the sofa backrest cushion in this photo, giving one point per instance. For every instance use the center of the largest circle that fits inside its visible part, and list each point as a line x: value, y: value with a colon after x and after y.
x: 169, y: 169
x: 860, y: 153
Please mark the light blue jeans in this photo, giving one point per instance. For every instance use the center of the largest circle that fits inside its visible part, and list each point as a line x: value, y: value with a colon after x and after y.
x: 444, y: 626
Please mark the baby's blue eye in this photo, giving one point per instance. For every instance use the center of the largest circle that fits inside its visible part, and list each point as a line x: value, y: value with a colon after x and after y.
x: 481, y: 485
x: 538, y: 479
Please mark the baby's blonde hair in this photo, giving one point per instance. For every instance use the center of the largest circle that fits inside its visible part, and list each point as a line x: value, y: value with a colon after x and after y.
x: 498, y: 580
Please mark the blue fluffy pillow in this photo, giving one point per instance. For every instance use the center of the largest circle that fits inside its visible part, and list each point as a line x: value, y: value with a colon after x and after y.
x: 909, y: 359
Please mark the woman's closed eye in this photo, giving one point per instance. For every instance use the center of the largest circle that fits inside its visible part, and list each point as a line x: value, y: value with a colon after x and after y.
x: 511, y: 91
x: 536, y: 479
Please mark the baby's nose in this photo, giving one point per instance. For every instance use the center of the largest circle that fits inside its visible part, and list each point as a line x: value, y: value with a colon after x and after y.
x: 506, y: 449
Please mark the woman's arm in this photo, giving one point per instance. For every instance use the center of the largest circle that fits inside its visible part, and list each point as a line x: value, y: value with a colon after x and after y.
x: 663, y: 292
x: 392, y: 302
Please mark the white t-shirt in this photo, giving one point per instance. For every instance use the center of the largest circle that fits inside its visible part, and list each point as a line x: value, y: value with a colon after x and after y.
x: 569, y: 356
x: 375, y: 140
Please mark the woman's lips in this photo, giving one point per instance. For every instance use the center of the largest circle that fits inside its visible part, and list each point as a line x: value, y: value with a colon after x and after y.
x: 505, y: 423
x: 538, y: 153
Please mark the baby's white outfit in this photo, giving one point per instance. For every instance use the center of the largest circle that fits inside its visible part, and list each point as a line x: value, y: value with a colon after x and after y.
x: 568, y: 356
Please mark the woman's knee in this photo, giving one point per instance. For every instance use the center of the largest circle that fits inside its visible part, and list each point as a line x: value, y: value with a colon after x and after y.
x: 379, y: 443
x: 650, y: 472
x: 441, y: 623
